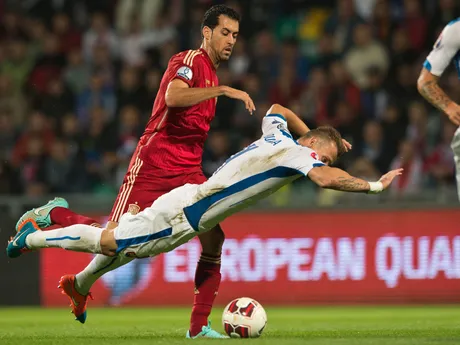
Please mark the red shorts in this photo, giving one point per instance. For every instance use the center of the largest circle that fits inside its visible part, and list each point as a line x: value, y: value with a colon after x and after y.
x: 143, y: 184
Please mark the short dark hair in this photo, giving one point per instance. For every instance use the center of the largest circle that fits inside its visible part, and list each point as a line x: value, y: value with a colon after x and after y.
x: 211, y: 17
x: 328, y: 133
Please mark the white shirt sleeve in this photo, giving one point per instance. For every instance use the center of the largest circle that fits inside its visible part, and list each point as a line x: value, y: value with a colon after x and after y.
x: 273, y: 123
x: 445, y: 50
x: 302, y: 159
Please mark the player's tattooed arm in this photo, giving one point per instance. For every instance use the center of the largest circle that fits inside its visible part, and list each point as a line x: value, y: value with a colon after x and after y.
x: 334, y: 178
x: 429, y: 88
x: 349, y: 184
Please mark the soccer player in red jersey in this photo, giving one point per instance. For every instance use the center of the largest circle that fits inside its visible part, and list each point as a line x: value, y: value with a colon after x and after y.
x: 167, y: 156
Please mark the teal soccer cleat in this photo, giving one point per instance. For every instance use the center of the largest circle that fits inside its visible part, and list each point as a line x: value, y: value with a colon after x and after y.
x: 41, y: 215
x: 207, y: 332
x: 17, y: 244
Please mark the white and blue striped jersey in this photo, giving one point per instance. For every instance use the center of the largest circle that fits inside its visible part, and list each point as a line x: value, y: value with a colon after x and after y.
x: 246, y: 177
x: 445, y: 50
x: 257, y: 171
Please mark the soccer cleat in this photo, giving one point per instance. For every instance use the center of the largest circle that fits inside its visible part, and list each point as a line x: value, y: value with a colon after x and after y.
x: 207, y: 332
x: 17, y: 244
x: 41, y: 214
x: 77, y: 300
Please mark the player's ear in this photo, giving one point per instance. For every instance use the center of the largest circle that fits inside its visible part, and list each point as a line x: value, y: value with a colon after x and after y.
x: 207, y: 33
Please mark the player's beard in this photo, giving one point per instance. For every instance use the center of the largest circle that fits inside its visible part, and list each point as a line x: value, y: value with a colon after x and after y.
x: 225, y: 55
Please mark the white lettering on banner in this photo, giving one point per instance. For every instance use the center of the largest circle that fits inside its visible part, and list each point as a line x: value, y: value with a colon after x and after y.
x: 396, y: 257
x: 299, y: 256
x: 256, y: 259
x: 409, y: 257
x: 230, y: 252
x: 276, y: 249
x: 352, y: 258
x: 252, y: 250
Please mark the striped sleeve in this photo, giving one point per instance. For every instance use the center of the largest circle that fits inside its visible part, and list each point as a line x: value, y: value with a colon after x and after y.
x: 183, y: 66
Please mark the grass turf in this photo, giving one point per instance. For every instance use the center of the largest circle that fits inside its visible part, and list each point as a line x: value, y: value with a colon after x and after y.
x: 318, y: 325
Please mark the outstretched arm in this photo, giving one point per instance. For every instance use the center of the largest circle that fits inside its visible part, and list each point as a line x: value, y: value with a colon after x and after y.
x: 338, y: 179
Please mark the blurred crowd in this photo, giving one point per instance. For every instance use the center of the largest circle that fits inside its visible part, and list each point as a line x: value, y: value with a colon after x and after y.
x: 78, y: 79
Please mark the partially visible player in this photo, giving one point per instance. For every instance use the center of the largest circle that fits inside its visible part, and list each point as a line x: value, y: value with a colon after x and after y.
x: 257, y: 171
x: 167, y: 156
x: 445, y: 51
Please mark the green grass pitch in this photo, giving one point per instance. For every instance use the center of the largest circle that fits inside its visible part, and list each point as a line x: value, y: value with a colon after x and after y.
x: 316, y: 325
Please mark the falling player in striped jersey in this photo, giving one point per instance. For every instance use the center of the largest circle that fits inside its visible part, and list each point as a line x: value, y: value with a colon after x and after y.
x: 445, y: 51
x: 259, y: 170
x: 167, y: 156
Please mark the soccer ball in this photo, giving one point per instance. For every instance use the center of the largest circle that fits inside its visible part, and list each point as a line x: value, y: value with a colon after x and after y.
x: 244, y: 318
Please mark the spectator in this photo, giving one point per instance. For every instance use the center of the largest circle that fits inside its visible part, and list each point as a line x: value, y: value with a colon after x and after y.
x: 287, y: 87
x: 394, y: 128
x: 401, y: 51
x: 152, y: 84
x: 57, y: 101
x: 417, y: 130
x: 415, y: 24
x: 341, y: 25
x: 130, y: 91
x: 37, y: 130
x: 18, y: 64
x: 47, y: 66
x: 33, y: 169
x: 100, y: 34
x: 313, y: 96
x: 375, y: 97
x: 365, y: 52
x: 382, y: 22
x: 99, y: 145
x: 8, y: 134
x: 62, y: 173
x: 105, y: 65
x: 218, y: 150
x: 440, y: 162
x: 97, y: 95
x: 445, y: 11
x: 374, y: 147
x: 76, y: 74
x: 341, y: 88
x: 12, y: 102
x: 240, y: 61
x: 69, y: 39
x: 410, y: 182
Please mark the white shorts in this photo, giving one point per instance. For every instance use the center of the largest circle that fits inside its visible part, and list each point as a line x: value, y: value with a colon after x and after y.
x: 152, y: 232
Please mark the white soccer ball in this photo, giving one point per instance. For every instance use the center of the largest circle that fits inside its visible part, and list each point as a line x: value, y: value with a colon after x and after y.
x: 244, y: 318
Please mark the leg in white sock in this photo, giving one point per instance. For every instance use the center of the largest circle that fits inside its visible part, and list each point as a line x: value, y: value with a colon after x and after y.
x: 78, y: 237
x: 100, y: 265
x: 456, y: 148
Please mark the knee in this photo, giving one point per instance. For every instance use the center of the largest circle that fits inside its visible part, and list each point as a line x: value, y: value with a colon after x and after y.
x: 108, y: 243
x: 213, y: 241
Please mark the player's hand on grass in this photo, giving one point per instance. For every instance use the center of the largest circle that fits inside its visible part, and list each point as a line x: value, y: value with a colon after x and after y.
x: 347, y: 145
x: 389, y: 177
x: 241, y: 95
x: 453, y: 112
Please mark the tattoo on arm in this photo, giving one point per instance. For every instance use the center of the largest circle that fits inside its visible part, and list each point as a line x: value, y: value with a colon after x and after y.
x: 350, y: 184
x: 431, y: 91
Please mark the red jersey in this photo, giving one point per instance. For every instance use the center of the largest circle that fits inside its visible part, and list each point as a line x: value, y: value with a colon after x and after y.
x: 174, y: 137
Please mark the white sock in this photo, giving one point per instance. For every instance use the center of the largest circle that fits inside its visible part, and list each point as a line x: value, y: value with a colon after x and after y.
x: 100, y: 265
x: 78, y: 237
